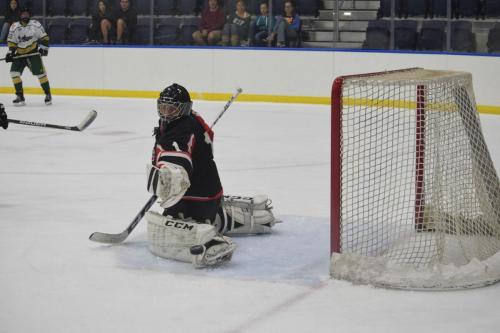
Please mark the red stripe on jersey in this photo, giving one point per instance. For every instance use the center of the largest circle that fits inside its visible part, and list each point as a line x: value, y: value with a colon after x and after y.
x: 193, y: 198
x: 185, y: 155
x: 191, y: 142
x: 207, y: 128
x: 160, y: 152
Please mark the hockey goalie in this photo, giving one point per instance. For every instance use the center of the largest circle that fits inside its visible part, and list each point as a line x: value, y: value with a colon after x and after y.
x: 197, y: 219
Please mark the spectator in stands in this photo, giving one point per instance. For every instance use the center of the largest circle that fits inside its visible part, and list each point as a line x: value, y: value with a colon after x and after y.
x: 126, y: 22
x: 237, y: 25
x: 101, y: 23
x: 287, y: 26
x: 212, y: 22
x: 11, y: 15
x: 260, y: 27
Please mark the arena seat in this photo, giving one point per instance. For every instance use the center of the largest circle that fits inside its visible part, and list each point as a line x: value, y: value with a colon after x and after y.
x: 78, y: 31
x: 462, y: 37
x: 57, y: 30
x: 56, y: 7
x: 167, y: 32
x: 164, y: 7
x: 432, y: 35
x: 405, y: 34
x: 377, y: 35
x: 494, y: 39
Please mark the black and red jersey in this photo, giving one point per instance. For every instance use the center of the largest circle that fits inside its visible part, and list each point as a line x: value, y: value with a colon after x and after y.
x: 187, y: 142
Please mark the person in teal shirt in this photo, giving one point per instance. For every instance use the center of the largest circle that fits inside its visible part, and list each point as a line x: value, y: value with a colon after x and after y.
x: 260, y: 27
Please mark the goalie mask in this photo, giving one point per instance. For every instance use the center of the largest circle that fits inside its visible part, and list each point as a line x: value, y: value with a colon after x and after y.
x: 174, y: 102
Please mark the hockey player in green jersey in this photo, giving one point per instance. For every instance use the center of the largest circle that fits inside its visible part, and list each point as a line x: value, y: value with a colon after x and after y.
x: 27, y: 38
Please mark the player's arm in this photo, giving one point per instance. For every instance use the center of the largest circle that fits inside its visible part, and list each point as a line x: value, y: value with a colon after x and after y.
x: 43, y: 41
x: 11, y: 44
x: 168, y: 176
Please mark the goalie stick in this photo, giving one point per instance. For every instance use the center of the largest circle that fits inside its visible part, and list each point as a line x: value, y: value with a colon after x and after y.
x: 228, y: 104
x: 83, y: 125
x: 102, y: 237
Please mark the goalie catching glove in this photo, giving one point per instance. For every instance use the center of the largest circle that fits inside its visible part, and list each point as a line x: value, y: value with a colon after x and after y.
x: 187, y: 241
x: 169, y: 183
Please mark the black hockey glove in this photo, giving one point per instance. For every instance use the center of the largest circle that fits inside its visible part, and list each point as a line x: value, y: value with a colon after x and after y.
x: 3, y: 117
x: 43, y: 51
x: 9, y: 57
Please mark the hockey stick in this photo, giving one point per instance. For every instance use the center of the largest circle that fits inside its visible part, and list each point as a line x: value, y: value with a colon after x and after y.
x: 228, y: 104
x: 23, y: 56
x: 83, y: 125
x: 102, y: 237
x: 118, y: 238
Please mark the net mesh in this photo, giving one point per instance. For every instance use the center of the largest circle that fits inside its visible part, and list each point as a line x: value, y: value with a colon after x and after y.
x: 419, y: 192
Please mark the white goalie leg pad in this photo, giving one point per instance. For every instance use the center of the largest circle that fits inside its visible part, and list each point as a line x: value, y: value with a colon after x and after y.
x: 248, y: 215
x: 187, y: 241
x: 169, y: 183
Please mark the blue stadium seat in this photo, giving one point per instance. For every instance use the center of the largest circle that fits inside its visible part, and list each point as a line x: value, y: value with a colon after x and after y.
x: 78, y: 31
x: 492, y: 8
x: 167, y: 32
x: 416, y: 7
x: 187, y: 27
x: 142, y: 34
x: 142, y: 6
x: 57, y: 30
x: 78, y: 7
x: 494, y: 39
x: 432, y: 35
x: 164, y: 7
x: 306, y: 7
x: 56, y: 7
x: 440, y: 8
x: 187, y: 7
x: 405, y: 34
x: 462, y: 37
x: 467, y: 8
x: 36, y: 7
x: 186, y: 33
x: 377, y: 35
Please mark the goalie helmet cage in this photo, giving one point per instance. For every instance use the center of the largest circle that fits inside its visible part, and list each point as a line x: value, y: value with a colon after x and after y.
x: 415, y: 201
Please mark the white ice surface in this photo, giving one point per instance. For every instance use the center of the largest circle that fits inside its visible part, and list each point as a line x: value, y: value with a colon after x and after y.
x: 57, y: 187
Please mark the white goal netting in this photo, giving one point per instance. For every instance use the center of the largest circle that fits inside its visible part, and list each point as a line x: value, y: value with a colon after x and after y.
x: 416, y: 198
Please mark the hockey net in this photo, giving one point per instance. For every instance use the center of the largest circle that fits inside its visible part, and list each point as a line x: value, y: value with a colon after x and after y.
x: 415, y: 196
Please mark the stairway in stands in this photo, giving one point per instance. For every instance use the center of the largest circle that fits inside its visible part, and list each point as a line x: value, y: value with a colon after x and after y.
x: 353, y: 20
